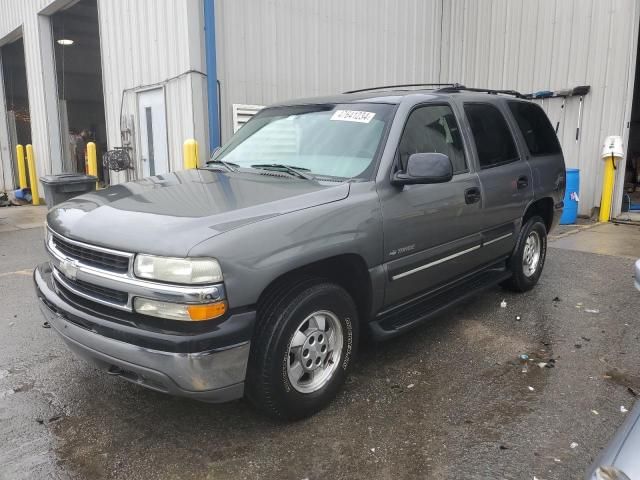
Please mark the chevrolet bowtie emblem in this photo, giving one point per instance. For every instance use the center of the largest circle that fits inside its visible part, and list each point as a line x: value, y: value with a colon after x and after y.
x: 69, y: 268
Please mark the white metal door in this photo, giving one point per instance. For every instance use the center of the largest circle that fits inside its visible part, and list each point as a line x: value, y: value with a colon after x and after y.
x: 153, y: 132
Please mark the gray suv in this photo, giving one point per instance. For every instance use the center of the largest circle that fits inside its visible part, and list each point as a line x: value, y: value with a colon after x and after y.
x: 321, y: 220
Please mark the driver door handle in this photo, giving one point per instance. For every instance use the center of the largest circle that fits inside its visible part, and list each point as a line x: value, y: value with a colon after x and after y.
x: 472, y: 195
x: 523, y: 182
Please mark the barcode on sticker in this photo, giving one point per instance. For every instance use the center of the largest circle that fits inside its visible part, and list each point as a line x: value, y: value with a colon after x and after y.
x: 353, y: 116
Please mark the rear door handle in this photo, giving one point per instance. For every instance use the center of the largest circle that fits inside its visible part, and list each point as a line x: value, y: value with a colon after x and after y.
x: 523, y: 182
x: 472, y: 195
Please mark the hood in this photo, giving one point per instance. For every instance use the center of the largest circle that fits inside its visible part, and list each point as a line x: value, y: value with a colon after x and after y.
x: 168, y: 214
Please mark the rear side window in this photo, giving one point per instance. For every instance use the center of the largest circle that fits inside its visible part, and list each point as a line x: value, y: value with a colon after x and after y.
x: 433, y: 129
x: 491, y: 134
x: 536, y: 129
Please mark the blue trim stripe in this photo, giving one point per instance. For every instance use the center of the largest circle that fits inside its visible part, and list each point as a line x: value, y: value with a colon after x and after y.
x: 212, y: 77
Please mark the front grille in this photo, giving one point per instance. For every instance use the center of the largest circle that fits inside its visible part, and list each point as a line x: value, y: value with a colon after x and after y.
x: 95, y: 291
x: 94, y: 258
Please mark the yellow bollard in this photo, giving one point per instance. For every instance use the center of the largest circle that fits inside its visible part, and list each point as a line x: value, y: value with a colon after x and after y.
x: 92, y: 160
x: 22, y: 168
x: 33, y: 178
x: 190, y: 153
x: 607, y: 189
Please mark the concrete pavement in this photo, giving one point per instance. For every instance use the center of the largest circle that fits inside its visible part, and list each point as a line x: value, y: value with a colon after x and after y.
x: 449, y: 400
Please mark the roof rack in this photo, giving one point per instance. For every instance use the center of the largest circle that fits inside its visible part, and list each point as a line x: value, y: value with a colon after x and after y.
x: 491, y: 91
x: 386, y: 87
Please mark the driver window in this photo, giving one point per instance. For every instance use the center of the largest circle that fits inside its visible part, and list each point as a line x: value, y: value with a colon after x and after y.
x: 433, y: 129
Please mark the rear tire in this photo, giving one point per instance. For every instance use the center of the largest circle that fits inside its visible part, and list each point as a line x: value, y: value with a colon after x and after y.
x: 305, y: 340
x: 527, y: 260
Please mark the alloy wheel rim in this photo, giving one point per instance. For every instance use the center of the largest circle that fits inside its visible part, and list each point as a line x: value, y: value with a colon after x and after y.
x: 532, y: 253
x: 315, y: 350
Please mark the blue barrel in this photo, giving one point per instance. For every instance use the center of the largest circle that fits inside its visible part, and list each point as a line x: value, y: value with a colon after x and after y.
x: 571, y: 197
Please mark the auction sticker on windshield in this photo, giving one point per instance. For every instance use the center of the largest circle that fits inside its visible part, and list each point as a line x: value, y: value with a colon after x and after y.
x: 353, y: 116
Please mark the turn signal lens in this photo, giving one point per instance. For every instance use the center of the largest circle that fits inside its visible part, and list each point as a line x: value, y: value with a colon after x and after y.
x: 207, y: 312
x: 179, y: 311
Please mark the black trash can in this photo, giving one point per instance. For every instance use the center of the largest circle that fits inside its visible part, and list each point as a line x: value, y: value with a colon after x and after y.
x: 59, y: 188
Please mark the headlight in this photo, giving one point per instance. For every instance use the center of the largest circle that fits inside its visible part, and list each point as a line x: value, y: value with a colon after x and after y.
x: 188, y: 271
x: 179, y: 311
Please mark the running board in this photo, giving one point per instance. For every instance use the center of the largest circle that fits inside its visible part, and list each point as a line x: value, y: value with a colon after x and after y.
x: 411, y: 314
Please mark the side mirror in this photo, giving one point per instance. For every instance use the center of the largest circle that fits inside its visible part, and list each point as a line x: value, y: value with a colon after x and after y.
x: 425, y: 168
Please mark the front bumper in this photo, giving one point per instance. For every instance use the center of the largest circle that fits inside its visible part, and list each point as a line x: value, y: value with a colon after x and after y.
x: 214, y: 375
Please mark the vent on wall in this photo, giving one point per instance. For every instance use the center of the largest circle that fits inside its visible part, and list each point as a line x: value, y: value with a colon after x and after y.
x: 243, y: 113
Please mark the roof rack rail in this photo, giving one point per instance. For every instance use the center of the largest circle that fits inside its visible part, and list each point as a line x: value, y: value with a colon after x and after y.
x: 491, y: 91
x: 384, y: 87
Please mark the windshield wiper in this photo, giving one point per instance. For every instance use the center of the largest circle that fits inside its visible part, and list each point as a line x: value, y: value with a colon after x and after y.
x: 292, y: 170
x: 232, y: 167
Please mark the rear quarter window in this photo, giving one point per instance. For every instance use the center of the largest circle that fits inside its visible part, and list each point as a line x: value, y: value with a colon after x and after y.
x: 536, y: 129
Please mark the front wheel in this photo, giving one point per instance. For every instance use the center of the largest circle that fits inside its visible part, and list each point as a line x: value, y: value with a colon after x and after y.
x: 527, y: 260
x: 303, y: 347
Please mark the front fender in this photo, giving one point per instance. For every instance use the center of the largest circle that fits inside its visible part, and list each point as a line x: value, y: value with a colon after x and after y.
x: 255, y: 255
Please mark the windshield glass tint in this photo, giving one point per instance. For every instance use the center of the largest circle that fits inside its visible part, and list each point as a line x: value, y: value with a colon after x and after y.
x: 327, y: 140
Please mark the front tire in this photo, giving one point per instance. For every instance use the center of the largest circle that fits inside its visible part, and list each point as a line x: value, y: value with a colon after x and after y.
x: 303, y: 347
x: 528, y: 258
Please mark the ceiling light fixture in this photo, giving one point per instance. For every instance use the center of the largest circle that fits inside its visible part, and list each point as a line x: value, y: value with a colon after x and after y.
x: 65, y: 41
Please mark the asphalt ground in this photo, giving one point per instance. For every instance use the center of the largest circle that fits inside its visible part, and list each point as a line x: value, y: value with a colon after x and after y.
x: 446, y: 401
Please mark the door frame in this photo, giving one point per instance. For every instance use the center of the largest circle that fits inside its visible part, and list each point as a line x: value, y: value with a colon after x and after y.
x: 139, y: 166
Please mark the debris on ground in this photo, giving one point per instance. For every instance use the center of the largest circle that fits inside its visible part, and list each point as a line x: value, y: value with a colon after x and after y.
x: 578, y: 345
x: 557, y: 299
x: 592, y: 310
x: 542, y: 364
x: 623, y: 409
x: 595, y: 412
x: 503, y: 303
x: 46, y: 325
x: 40, y: 420
x: 11, y: 324
x: 586, y: 339
x: 411, y: 385
x: 503, y: 447
x: 621, y: 377
x: 518, y: 318
x: 531, y: 389
x: 557, y: 460
x: 55, y: 418
x: 573, y: 445
x: 373, y: 450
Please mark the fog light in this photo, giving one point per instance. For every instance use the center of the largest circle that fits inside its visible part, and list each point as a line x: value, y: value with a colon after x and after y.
x: 179, y: 311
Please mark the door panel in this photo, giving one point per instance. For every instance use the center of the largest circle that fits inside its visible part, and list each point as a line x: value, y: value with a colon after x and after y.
x: 153, y: 132
x: 431, y: 235
x: 505, y: 177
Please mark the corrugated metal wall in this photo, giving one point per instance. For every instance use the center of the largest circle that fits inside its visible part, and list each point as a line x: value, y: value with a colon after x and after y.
x: 148, y: 43
x: 551, y: 44
x: 143, y: 43
x: 277, y: 49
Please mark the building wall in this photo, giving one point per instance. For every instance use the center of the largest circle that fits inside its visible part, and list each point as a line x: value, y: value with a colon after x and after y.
x: 272, y: 50
x: 149, y: 43
x: 20, y: 18
x: 143, y: 43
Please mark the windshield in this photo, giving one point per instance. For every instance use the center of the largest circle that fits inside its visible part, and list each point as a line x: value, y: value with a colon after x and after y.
x: 338, y: 140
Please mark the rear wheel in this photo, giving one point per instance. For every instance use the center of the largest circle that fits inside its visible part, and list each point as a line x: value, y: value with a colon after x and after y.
x: 303, y: 347
x: 528, y: 258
